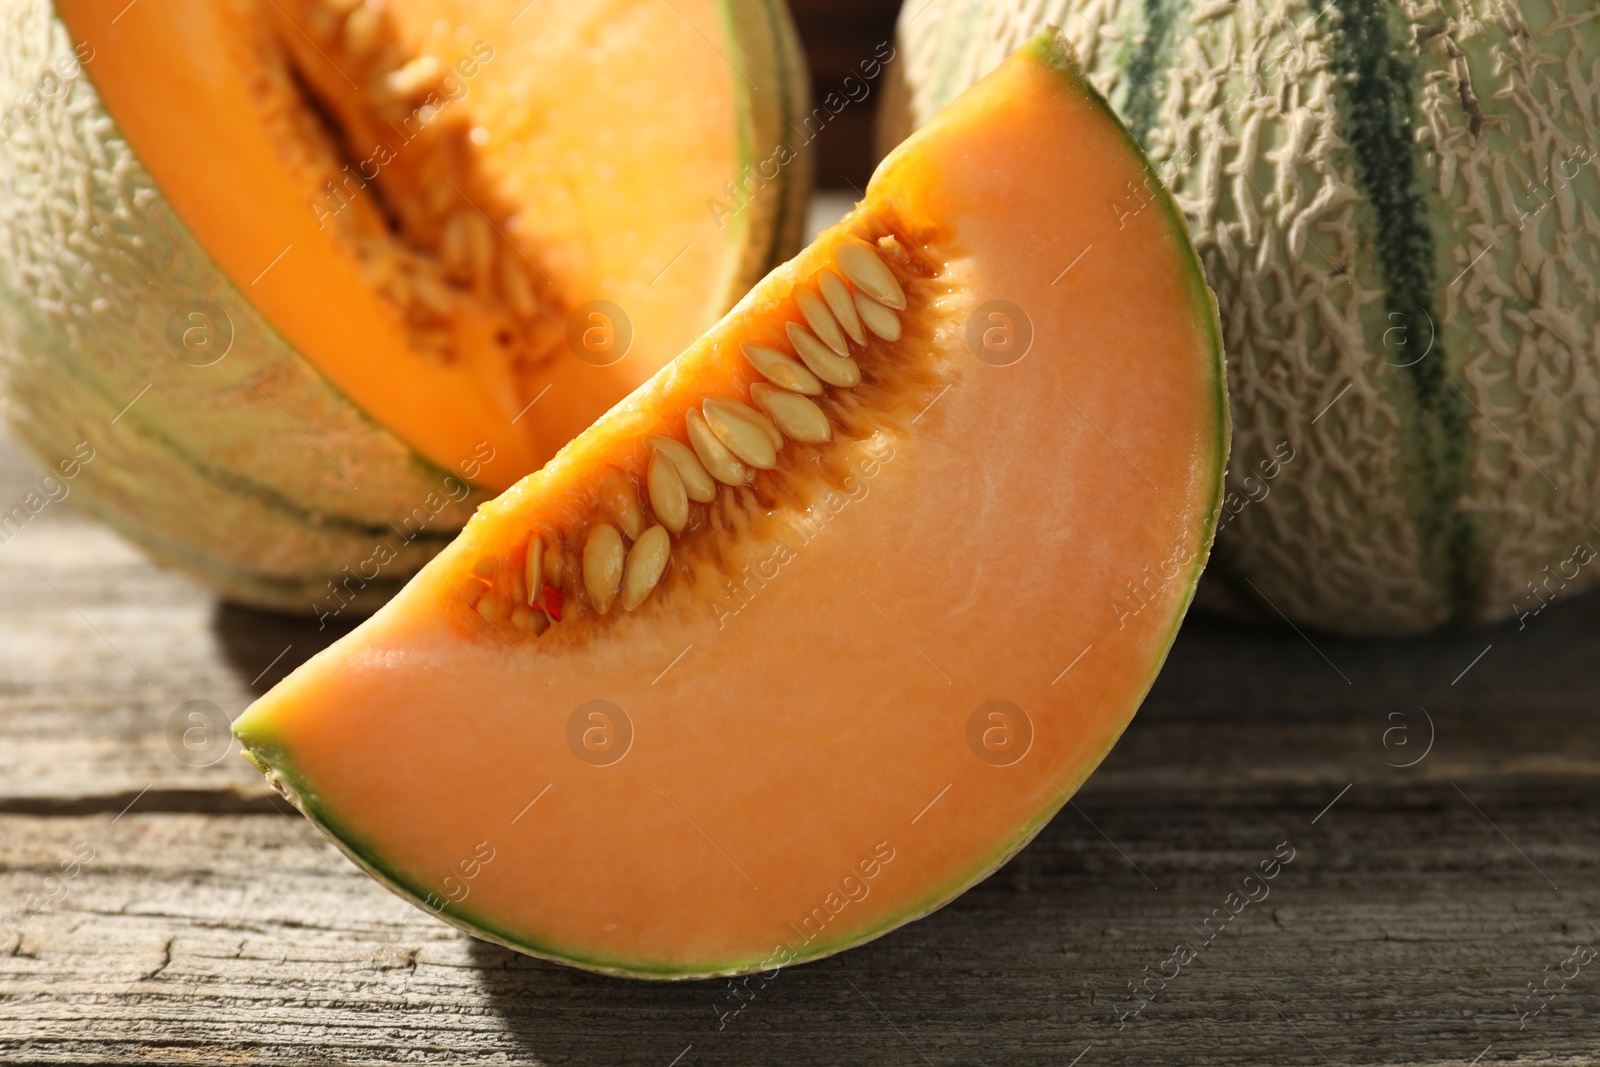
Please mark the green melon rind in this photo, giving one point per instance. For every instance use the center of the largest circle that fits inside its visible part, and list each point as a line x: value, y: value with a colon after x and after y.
x: 255, y: 475
x: 273, y: 759
x: 92, y: 263
x: 1378, y: 83
x: 795, y: 74
x: 1421, y: 497
x: 764, y: 53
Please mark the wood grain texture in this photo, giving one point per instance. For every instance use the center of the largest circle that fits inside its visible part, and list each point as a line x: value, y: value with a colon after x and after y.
x: 202, y: 923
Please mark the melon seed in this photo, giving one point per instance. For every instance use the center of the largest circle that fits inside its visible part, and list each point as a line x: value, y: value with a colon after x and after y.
x: 554, y: 566
x: 417, y: 74
x: 796, y: 416
x: 319, y: 22
x: 480, y: 247
x: 820, y: 319
x: 879, y: 319
x: 361, y: 31
x: 517, y: 290
x: 618, y: 494
x: 453, y: 246
x: 861, y: 265
x: 531, y: 619
x: 754, y: 418
x: 837, y: 294
x: 741, y: 436
x: 780, y: 370
x: 433, y: 295
x: 493, y: 608
x: 533, y: 568
x: 647, y: 562
x: 835, y: 370
x: 602, y: 565
x: 696, y: 482
x: 768, y: 427
x: 717, y: 459
x: 667, y: 496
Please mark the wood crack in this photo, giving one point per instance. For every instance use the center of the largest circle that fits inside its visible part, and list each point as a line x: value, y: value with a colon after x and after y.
x: 153, y: 802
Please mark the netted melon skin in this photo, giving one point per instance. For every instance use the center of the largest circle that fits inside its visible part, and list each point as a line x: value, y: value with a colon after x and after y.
x: 1425, y: 346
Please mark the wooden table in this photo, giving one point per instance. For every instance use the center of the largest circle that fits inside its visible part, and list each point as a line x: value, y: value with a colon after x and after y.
x: 155, y: 908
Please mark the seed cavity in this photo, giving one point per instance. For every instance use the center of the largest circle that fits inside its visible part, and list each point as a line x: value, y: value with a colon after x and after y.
x: 603, y: 560
x: 668, y: 498
x: 840, y: 371
x: 728, y: 440
x: 837, y: 294
x: 697, y: 483
x: 879, y: 319
x: 780, y: 370
x: 722, y: 464
x: 871, y: 275
x: 647, y: 562
x: 434, y: 237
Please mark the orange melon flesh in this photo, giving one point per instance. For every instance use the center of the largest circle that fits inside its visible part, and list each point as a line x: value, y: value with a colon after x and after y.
x: 806, y: 768
x: 603, y: 139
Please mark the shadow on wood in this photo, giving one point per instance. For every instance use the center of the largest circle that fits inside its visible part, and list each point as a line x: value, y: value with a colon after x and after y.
x: 1420, y: 801
x: 263, y: 647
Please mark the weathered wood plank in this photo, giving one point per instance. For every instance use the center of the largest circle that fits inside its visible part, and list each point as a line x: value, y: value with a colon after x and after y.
x: 237, y: 937
x: 208, y: 926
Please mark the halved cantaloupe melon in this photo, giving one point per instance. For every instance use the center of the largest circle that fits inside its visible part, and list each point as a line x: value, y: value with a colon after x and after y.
x: 302, y: 271
x: 824, y: 622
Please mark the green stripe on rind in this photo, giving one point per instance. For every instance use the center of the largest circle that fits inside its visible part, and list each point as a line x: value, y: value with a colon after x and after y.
x: 795, y: 178
x: 1148, y: 61
x: 1377, y: 84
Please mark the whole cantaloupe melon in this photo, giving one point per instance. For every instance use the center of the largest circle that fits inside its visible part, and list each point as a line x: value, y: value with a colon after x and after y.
x: 1398, y: 207
x: 306, y: 276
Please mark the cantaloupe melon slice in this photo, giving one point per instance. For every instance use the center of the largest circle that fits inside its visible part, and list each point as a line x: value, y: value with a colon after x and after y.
x: 341, y: 252
x: 710, y: 692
